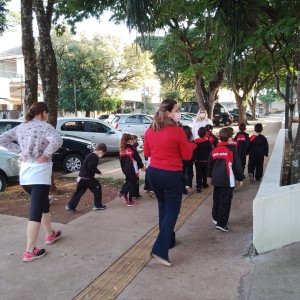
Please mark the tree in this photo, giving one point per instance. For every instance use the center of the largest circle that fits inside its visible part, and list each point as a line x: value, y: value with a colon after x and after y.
x: 3, y: 16
x: 29, y: 53
x: 267, y: 96
x: 100, y: 69
x: 191, y: 23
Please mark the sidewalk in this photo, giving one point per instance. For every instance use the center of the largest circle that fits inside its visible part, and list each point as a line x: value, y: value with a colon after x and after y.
x: 206, y: 263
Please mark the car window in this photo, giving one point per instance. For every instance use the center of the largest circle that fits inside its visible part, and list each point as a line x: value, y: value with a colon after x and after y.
x: 104, y: 117
x: 116, y: 119
x: 73, y: 126
x: 194, y: 107
x: 5, y: 126
x: 98, y: 127
x: 133, y: 120
x: 145, y: 120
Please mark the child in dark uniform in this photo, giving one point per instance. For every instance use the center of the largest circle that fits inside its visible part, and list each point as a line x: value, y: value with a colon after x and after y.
x: 86, y: 180
x: 188, y: 165
x: 258, y: 149
x: 224, y: 167
x: 201, y: 154
x: 131, y: 162
x: 242, y: 139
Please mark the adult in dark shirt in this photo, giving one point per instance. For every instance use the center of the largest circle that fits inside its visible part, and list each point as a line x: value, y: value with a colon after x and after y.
x: 86, y: 180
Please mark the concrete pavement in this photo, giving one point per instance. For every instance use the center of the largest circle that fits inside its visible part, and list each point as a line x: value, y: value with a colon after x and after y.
x: 206, y: 263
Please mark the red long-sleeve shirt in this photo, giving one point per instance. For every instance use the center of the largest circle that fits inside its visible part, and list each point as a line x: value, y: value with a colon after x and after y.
x: 167, y: 148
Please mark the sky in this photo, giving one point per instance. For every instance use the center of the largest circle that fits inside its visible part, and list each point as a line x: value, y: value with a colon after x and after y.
x: 88, y: 27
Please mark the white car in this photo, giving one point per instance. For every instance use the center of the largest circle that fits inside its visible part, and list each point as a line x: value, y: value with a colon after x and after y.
x: 93, y: 130
x: 135, y: 123
x: 9, y: 168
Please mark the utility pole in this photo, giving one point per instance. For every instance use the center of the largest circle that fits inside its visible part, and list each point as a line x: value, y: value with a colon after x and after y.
x: 75, y: 103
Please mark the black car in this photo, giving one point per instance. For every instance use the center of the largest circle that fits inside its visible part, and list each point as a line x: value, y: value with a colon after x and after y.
x: 235, y: 115
x: 72, y: 153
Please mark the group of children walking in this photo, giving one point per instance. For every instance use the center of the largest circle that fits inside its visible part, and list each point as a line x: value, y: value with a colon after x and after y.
x: 222, y: 159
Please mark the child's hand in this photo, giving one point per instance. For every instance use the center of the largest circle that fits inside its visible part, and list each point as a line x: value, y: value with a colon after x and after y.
x: 143, y: 169
x: 241, y: 183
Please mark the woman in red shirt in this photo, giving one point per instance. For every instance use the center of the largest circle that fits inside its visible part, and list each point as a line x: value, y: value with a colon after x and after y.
x: 167, y: 145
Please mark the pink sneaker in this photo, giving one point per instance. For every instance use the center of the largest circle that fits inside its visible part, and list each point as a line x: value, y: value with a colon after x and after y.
x: 131, y: 203
x: 37, y: 253
x: 50, y: 239
x: 123, y: 198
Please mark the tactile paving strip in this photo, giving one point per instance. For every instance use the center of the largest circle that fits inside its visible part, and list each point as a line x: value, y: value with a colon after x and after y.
x: 114, y: 279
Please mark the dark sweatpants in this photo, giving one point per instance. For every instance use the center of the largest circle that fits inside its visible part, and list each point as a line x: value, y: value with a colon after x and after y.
x: 256, y: 166
x: 93, y: 185
x: 201, y: 174
x: 188, y: 172
x: 222, y: 203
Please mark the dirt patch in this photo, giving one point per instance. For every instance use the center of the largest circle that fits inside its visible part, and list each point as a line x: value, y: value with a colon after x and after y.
x: 15, y: 201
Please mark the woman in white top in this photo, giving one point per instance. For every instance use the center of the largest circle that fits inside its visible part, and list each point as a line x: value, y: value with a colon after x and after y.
x: 201, y: 120
x: 36, y: 142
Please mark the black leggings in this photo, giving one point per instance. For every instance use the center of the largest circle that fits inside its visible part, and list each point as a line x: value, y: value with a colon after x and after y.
x: 39, y: 200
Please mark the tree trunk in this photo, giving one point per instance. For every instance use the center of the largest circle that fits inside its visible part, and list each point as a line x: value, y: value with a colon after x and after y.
x: 252, y: 104
x: 199, y: 91
x: 47, y: 59
x: 241, y: 107
x: 30, y: 62
x: 47, y: 63
x: 206, y: 99
x: 295, y: 164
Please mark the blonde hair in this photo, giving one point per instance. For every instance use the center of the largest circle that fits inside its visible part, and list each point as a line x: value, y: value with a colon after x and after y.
x: 198, y: 118
x: 161, y: 119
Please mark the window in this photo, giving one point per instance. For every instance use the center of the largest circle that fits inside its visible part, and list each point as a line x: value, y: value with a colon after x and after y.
x: 133, y: 120
x: 145, y: 120
x: 98, y: 127
x: 5, y: 126
x: 73, y: 126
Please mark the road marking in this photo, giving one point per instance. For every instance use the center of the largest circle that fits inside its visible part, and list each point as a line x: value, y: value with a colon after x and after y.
x: 115, y: 279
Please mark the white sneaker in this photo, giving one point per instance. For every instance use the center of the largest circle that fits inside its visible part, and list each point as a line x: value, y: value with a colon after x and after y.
x: 188, y: 188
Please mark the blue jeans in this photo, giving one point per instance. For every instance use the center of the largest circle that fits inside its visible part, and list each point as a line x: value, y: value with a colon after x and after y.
x: 167, y: 186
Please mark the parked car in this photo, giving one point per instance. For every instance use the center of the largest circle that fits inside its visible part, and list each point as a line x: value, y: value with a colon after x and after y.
x: 235, y: 114
x: 72, y: 153
x: 135, y: 123
x: 9, y: 168
x: 93, y: 130
x: 220, y: 113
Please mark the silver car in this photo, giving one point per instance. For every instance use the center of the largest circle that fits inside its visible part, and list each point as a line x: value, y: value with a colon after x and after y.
x: 135, y: 123
x: 93, y: 130
x: 9, y: 168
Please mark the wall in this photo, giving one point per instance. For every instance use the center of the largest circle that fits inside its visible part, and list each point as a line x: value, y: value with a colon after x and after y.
x: 276, y: 208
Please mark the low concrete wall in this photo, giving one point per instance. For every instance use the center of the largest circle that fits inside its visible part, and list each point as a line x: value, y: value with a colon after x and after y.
x: 276, y: 209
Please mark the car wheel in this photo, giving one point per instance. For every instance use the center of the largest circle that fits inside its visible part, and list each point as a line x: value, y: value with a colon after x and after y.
x: 72, y: 163
x: 227, y: 122
x: 3, y: 183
